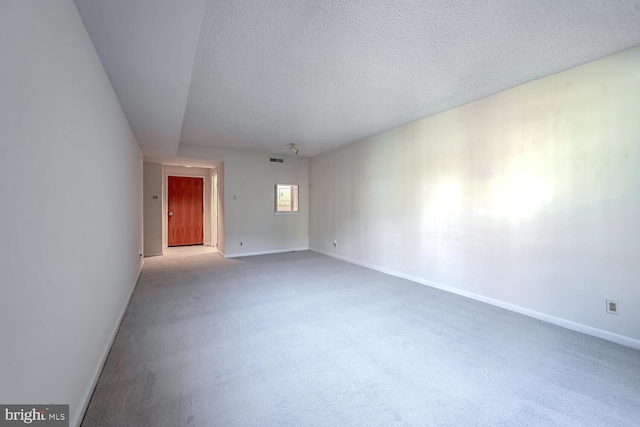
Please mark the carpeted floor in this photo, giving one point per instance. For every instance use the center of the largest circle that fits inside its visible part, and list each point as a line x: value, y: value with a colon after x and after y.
x: 301, y: 339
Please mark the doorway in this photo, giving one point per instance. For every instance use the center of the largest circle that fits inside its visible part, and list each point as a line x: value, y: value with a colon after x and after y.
x: 185, y: 216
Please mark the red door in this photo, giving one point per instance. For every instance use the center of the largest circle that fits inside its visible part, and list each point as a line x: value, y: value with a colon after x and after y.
x: 186, y: 210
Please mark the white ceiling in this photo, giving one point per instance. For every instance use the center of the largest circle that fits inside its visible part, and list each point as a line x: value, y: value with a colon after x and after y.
x: 147, y: 49
x: 323, y: 73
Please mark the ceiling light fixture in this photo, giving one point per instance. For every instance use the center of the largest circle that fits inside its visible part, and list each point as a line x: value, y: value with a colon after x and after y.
x: 293, y: 149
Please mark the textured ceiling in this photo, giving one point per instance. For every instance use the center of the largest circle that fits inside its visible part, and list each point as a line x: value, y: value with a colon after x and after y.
x: 324, y: 73
x: 147, y: 49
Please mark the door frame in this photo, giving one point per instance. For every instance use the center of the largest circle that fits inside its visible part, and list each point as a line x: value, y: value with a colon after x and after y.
x: 214, y: 207
x: 165, y: 206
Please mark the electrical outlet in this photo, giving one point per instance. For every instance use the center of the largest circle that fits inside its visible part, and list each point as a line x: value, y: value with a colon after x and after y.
x: 612, y: 307
x: 335, y: 244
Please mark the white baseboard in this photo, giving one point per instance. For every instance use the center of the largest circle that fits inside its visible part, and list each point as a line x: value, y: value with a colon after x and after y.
x: 278, y: 251
x: 105, y: 354
x: 579, y: 327
x: 150, y: 255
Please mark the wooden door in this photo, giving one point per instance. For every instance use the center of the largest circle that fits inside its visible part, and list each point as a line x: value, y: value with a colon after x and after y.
x: 185, y: 210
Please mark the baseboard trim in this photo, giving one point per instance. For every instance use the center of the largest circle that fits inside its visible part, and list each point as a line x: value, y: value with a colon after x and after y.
x: 103, y: 360
x: 152, y: 255
x: 278, y: 251
x: 575, y: 326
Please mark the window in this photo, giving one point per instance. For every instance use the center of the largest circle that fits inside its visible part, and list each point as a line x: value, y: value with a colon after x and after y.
x: 286, y: 198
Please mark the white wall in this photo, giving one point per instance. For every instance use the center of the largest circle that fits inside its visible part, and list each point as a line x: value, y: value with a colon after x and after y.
x: 213, y: 177
x: 248, y: 185
x: 528, y: 199
x: 153, y: 218
x: 71, y: 222
x: 220, y: 195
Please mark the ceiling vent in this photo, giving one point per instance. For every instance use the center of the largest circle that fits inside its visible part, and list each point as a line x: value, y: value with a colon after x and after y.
x: 274, y: 160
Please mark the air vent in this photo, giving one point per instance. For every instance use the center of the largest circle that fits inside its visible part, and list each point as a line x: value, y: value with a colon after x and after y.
x: 274, y: 160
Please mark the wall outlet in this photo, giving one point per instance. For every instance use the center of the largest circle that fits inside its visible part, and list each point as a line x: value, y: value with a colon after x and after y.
x: 612, y: 306
x: 335, y: 244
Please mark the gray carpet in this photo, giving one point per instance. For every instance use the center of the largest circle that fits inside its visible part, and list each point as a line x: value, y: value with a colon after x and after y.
x: 301, y: 339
